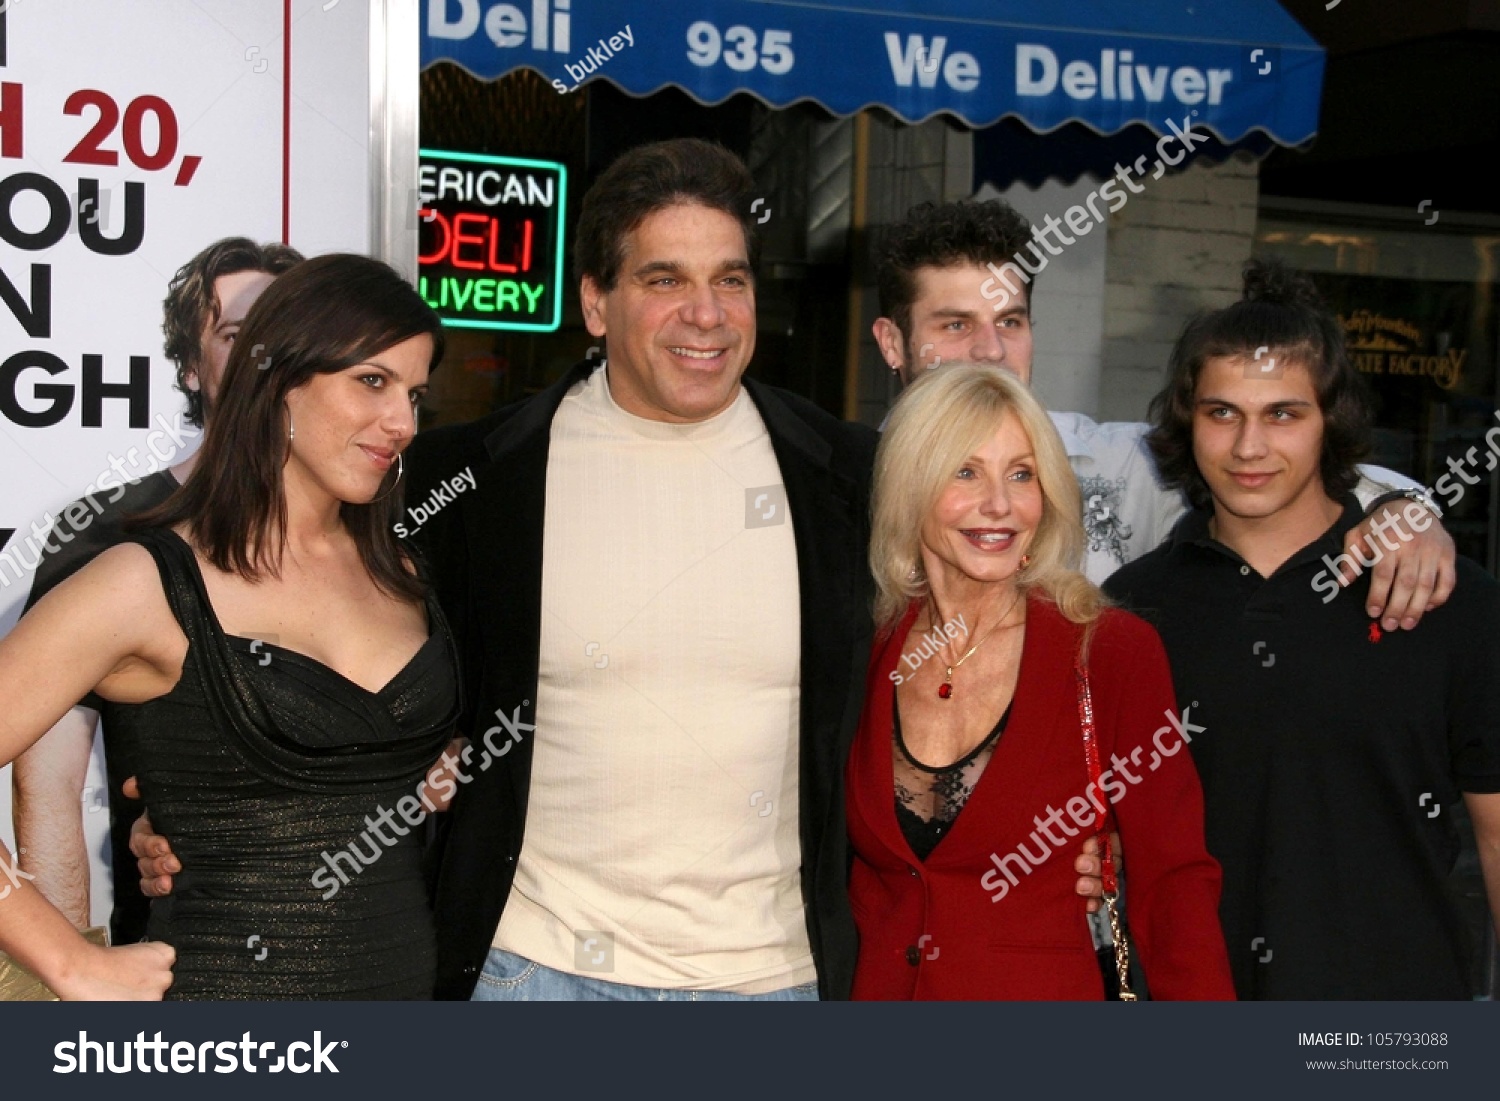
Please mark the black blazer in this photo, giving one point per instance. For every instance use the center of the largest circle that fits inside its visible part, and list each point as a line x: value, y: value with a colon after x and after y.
x: 485, y: 552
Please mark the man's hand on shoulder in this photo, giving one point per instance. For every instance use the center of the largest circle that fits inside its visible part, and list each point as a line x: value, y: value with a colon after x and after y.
x: 152, y: 851
x: 1414, y: 570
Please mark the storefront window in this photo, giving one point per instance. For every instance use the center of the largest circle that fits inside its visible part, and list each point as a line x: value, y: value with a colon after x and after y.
x: 1419, y: 306
x: 794, y: 154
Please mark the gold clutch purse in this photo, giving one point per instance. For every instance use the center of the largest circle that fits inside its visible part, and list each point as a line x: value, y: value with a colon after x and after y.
x: 19, y: 985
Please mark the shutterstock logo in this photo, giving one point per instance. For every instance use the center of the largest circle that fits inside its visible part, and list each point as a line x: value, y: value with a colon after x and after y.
x: 145, y: 1056
x: 765, y: 506
x: 1086, y: 809
x: 593, y: 950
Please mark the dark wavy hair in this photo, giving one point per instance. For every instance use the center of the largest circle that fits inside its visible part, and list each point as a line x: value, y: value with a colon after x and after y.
x: 647, y: 179
x: 939, y: 235
x: 325, y: 315
x: 1282, y: 312
x: 191, y: 303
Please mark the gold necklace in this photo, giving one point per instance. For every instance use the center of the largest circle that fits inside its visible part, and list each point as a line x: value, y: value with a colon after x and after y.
x: 945, y: 690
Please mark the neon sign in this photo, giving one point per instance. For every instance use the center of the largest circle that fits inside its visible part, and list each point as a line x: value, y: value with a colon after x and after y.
x: 489, y: 240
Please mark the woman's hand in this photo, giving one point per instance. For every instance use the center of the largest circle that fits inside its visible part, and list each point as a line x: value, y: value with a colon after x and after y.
x: 129, y: 973
x: 37, y: 936
x: 1091, y: 870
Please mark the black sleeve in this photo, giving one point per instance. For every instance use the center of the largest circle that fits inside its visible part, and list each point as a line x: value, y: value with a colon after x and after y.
x: 1474, y: 680
x: 99, y: 527
x: 70, y: 546
x: 1124, y: 585
x: 60, y: 559
x: 434, y: 457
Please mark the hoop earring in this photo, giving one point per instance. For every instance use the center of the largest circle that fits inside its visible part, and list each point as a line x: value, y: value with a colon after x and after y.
x: 400, y: 470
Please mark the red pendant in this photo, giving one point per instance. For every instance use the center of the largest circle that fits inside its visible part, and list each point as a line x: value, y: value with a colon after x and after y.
x: 944, y: 691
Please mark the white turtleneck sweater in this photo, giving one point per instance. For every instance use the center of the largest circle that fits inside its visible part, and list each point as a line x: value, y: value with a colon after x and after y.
x: 661, y: 842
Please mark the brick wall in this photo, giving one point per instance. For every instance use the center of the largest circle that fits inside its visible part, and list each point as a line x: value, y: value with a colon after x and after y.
x: 1067, y: 306
x: 1173, y: 250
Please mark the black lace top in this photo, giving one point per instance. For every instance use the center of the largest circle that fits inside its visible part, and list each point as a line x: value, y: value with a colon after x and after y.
x: 262, y: 766
x: 928, y: 799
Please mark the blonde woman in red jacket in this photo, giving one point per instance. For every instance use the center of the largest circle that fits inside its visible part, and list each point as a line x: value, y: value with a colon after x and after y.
x: 968, y: 789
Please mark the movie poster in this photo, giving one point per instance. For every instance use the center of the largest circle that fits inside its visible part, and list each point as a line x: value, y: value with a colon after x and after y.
x: 132, y: 136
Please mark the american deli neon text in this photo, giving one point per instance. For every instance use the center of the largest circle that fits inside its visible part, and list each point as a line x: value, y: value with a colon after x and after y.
x: 473, y: 241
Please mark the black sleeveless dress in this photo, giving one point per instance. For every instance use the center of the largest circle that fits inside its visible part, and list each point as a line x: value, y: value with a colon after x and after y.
x: 279, y: 783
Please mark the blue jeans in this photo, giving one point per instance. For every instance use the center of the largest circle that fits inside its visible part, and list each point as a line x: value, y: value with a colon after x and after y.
x: 508, y: 977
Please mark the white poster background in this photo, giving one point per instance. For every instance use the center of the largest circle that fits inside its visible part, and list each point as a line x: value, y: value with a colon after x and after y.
x: 219, y: 65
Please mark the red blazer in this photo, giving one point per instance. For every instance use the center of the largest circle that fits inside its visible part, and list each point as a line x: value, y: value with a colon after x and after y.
x: 957, y: 927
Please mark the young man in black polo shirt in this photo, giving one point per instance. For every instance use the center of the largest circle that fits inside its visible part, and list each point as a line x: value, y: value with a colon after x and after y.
x: 1332, y: 751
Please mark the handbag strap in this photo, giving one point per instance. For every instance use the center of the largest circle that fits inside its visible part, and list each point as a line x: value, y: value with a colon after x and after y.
x: 1091, y: 754
x: 1105, y: 821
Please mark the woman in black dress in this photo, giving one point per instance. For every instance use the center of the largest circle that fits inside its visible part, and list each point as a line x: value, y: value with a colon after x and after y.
x: 290, y: 678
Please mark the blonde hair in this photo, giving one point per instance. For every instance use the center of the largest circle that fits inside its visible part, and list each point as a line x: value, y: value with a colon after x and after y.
x: 940, y: 421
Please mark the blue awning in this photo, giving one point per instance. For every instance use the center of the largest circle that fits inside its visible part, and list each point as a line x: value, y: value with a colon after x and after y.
x: 1228, y: 67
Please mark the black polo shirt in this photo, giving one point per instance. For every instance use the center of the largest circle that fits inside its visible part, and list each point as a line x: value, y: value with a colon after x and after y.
x: 1331, y: 756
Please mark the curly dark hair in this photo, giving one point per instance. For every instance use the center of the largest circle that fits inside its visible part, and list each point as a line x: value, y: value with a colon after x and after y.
x: 1282, y: 312
x: 191, y: 303
x: 648, y: 178
x: 939, y: 235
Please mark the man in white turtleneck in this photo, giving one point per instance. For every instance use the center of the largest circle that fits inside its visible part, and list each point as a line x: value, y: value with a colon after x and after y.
x: 670, y: 561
